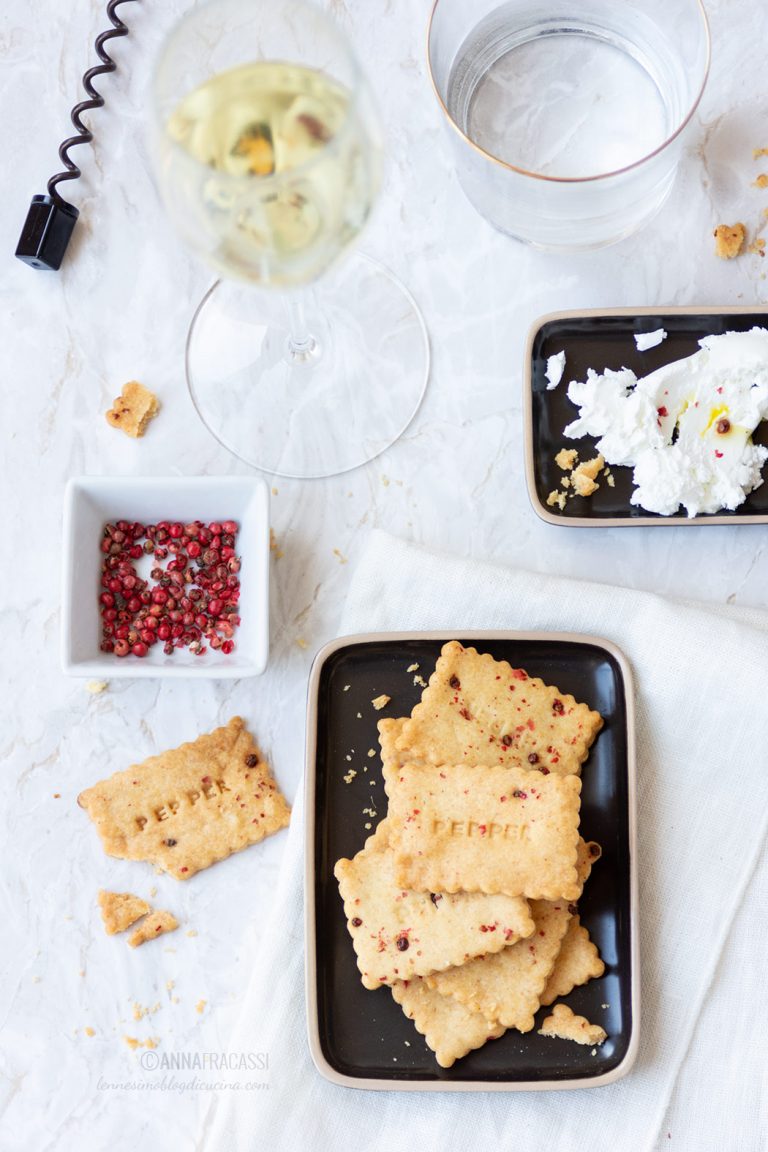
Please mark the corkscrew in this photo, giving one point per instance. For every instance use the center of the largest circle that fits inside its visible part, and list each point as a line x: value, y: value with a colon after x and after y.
x: 51, y: 219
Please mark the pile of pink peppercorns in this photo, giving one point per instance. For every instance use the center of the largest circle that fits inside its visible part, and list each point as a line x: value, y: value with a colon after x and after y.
x: 190, y: 602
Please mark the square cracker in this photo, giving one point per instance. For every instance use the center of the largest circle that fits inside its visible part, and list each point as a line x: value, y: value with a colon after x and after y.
x: 568, y: 1026
x: 450, y: 1029
x: 480, y: 711
x: 185, y: 809
x: 120, y: 909
x: 507, y: 987
x: 398, y: 934
x: 495, y: 830
x: 577, y: 962
x: 133, y: 409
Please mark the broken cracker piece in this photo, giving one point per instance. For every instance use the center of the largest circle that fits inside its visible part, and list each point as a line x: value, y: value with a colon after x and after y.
x: 133, y: 409
x: 121, y: 909
x: 565, y: 1024
x: 154, y: 925
x: 189, y: 807
x: 729, y: 240
x: 761, y: 181
x: 380, y: 702
x: 556, y: 499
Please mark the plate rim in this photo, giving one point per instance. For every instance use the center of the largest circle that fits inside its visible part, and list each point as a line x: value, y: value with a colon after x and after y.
x: 404, y: 1084
x: 675, y: 521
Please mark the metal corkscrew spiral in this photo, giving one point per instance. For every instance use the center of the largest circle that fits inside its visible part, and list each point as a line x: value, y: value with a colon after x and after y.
x: 51, y: 219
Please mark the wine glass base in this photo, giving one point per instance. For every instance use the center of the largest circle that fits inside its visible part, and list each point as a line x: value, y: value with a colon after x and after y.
x: 334, y: 406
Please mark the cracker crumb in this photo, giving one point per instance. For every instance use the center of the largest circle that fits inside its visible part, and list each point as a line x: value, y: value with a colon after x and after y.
x: 36, y: 979
x: 151, y: 1042
x: 89, y: 1031
x: 152, y: 926
x: 57, y: 795
x: 556, y: 498
x: 368, y: 825
x: 170, y: 985
x: 412, y: 668
x: 350, y: 776
x: 566, y: 459
x: 380, y: 702
x: 200, y: 1006
x: 346, y: 687
x: 758, y: 152
x: 153, y: 891
x: 95, y: 687
x: 385, y: 481
x: 611, y: 481
x: 420, y: 681
x: 132, y: 1042
x: 371, y: 751
x: 583, y: 477
x: 339, y: 556
x: 761, y: 181
x: 566, y: 481
x: 274, y: 491
x: 359, y: 715
x: 273, y: 547
x: 729, y: 240
x: 347, y: 757
x: 133, y: 409
x: 757, y: 246
x: 301, y: 642
x: 192, y: 932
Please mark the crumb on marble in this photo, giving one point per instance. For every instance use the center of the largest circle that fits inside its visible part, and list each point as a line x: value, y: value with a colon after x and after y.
x: 761, y: 181
x: 96, y: 687
x: 301, y: 642
x: 274, y: 491
x: 89, y: 1031
x: 57, y: 795
x: 192, y: 932
x: 729, y: 240
x: 273, y: 547
x: 200, y: 1006
x: 340, y: 557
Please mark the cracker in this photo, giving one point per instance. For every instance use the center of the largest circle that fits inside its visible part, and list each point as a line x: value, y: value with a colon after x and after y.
x: 185, y: 809
x: 568, y: 1026
x: 392, y: 758
x: 450, y: 1029
x: 398, y: 934
x: 578, y: 961
x: 121, y: 909
x: 133, y: 409
x: 496, y: 830
x: 480, y: 711
x: 154, y: 925
x: 507, y: 987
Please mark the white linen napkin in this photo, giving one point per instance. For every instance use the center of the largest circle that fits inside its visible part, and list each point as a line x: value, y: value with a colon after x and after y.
x: 702, y: 680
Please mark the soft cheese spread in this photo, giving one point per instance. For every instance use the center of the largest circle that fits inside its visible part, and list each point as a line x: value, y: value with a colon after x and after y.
x: 686, y: 428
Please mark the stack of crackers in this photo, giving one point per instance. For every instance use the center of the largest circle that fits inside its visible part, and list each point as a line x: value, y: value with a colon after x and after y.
x: 463, y: 902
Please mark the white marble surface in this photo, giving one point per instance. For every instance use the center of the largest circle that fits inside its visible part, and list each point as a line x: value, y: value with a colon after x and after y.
x: 120, y: 309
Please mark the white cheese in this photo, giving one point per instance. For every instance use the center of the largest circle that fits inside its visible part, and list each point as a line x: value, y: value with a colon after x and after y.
x: 646, y: 340
x: 554, y: 370
x: 686, y: 428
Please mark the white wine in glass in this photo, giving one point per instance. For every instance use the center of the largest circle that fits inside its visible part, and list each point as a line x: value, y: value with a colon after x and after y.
x: 268, y: 157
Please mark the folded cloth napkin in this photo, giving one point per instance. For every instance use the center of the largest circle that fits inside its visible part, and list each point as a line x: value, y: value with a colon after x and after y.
x: 701, y: 678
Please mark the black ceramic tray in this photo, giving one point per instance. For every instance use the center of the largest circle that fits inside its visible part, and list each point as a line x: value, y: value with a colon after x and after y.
x: 361, y: 1038
x: 601, y: 340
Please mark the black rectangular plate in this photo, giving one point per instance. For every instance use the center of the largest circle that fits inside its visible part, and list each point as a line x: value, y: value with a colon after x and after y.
x: 364, y: 1034
x: 606, y: 340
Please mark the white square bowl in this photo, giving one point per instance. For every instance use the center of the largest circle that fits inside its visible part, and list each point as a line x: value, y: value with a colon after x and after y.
x: 90, y: 502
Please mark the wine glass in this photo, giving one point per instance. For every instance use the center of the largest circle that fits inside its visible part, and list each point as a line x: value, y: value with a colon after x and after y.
x: 268, y: 155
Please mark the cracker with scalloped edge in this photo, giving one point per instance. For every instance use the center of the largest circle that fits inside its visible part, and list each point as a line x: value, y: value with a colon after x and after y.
x: 450, y: 1029
x: 565, y: 1024
x: 392, y: 758
x: 507, y: 987
x: 480, y: 711
x: 187, y: 808
x: 500, y: 830
x: 577, y: 962
x: 398, y: 934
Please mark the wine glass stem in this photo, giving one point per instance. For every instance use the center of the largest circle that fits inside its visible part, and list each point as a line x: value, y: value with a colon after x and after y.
x: 302, y: 345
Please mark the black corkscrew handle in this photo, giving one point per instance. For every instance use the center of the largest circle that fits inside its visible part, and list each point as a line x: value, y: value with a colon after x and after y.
x: 51, y: 220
